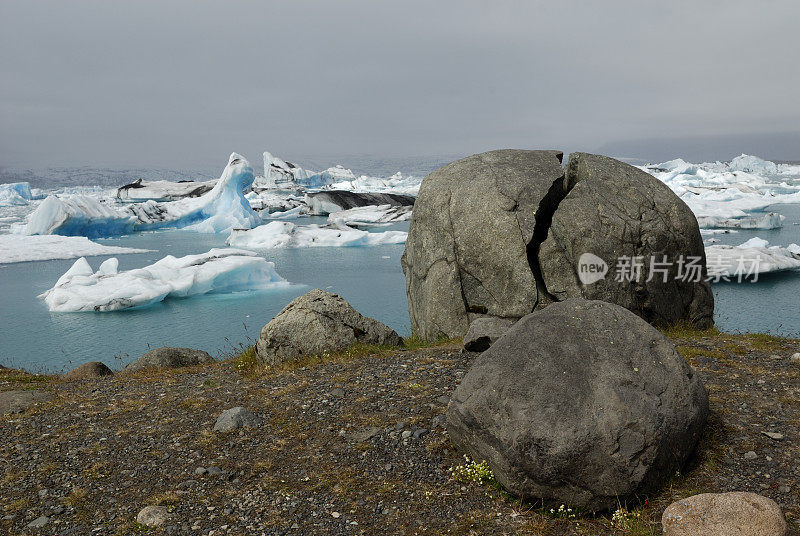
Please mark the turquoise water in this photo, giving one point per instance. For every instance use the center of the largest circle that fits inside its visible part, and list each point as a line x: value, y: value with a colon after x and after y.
x: 370, y: 278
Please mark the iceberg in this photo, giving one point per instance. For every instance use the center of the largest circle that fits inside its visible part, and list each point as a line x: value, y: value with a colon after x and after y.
x: 283, y: 234
x: 219, y: 210
x: 723, y: 195
x: 329, y: 201
x: 140, y: 190
x: 15, y: 193
x: 381, y: 215
x: 108, y: 289
x: 750, y: 259
x: 18, y: 248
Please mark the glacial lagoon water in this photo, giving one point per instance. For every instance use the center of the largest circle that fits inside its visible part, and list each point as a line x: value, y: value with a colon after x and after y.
x: 370, y: 278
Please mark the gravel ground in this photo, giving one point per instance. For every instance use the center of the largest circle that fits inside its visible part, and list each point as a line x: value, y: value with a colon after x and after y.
x: 355, y: 446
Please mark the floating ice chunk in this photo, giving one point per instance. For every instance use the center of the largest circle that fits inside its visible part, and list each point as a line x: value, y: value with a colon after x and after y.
x: 282, y: 234
x: 707, y: 232
x: 772, y: 220
x: 753, y: 164
x: 380, y: 215
x: 219, y: 210
x: 18, y: 248
x: 15, y: 193
x: 285, y: 214
x: 750, y: 259
x: 330, y: 201
x: 163, y: 190
x: 219, y: 270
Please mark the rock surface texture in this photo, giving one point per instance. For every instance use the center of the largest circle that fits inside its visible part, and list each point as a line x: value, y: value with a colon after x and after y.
x: 502, y: 233
x: 169, y: 357
x: 235, y: 418
x: 724, y: 514
x: 319, y: 322
x: 483, y: 332
x: 89, y: 371
x: 17, y: 401
x: 588, y: 420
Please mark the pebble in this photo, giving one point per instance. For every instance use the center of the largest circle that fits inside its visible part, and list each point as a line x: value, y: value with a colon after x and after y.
x: 39, y: 522
x: 400, y: 425
x: 420, y: 432
x: 406, y: 434
x: 750, y: 455
x: 338, y: 392
x: 796, y: 359
x: 444, y: 399
x: 336, y: 515
x: 200, y: 471
x: 773, y: 435
x: 152, y: 516
x: 214, y: 470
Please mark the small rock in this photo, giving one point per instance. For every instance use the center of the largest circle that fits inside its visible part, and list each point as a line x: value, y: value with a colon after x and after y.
x: 295, y: 526
x: 88, y: 371
x: 750, y: 455
x: 39, y: 522
x: 152, y: 516
x: 336, y: 515
x: 444, y: 399
x: 400, y: 425
x: 168, y: 357
x: 235, y: 418
x: 723, y: 514
x: 406, y: 434
x: 777, y: 436
x: 420, y: 432
x: 200, y: 471
x: 213, y: 470
x: 796, y: 358
x: 337, y: 392
x: 365, y: 434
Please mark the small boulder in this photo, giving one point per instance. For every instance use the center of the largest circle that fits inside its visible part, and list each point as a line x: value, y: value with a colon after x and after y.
x: 169, y: 357
x: 88, y: 371
x: 484, y: 331
x: 20, y: 400
x: 724, y: 514
x: 319, y: 322
x: 582, y: 403
x: 39, y: 522
x: 235, y: 418
x: 152, y: 516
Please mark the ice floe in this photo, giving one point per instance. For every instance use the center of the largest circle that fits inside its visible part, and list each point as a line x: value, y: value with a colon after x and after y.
x: 219, y: 210
x: 327, y: 202
x: 284, y: 234
x: 750, y: 259
x: 19, y: 248
x: 368, y: 216
x: 15, y: 193
x: 163, y: 190
x: 107, y: 289
x: 734, y: 194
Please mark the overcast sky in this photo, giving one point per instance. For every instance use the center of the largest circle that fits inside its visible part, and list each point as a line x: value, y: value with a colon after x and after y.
x: 182, y: 84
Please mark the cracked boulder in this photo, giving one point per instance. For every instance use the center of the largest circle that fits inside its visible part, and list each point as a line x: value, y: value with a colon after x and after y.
x: 590, y: 420
x: 502, y: 233
x: 315, y: 323
x: 618, y: 214
x: 466, y: 253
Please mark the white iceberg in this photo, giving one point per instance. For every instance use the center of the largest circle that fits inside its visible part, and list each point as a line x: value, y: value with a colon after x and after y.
x: 18, y: 248
x: 218, y: 271
x: 15, y: 193
x: 750, y: 259
x: 327, y: 202
x: 380, y: 215
x: 220, y: 210
x: 771, y: 220
x: 140, y: 190
x: 283, y: 234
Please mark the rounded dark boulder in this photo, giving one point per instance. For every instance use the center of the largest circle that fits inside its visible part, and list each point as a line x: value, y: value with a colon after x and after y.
x: 170, y: 357
x: 582, y: 403
x: 88, y: 371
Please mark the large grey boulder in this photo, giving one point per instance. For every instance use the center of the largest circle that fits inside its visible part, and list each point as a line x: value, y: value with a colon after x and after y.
x: 483, y: 332
x: 615, y: 211
x: 582, y: 403
x: 315, y: 323
x: 503, y: 233
x: 466, y: 253
x: 235, y: 418
x: 169, y: 357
